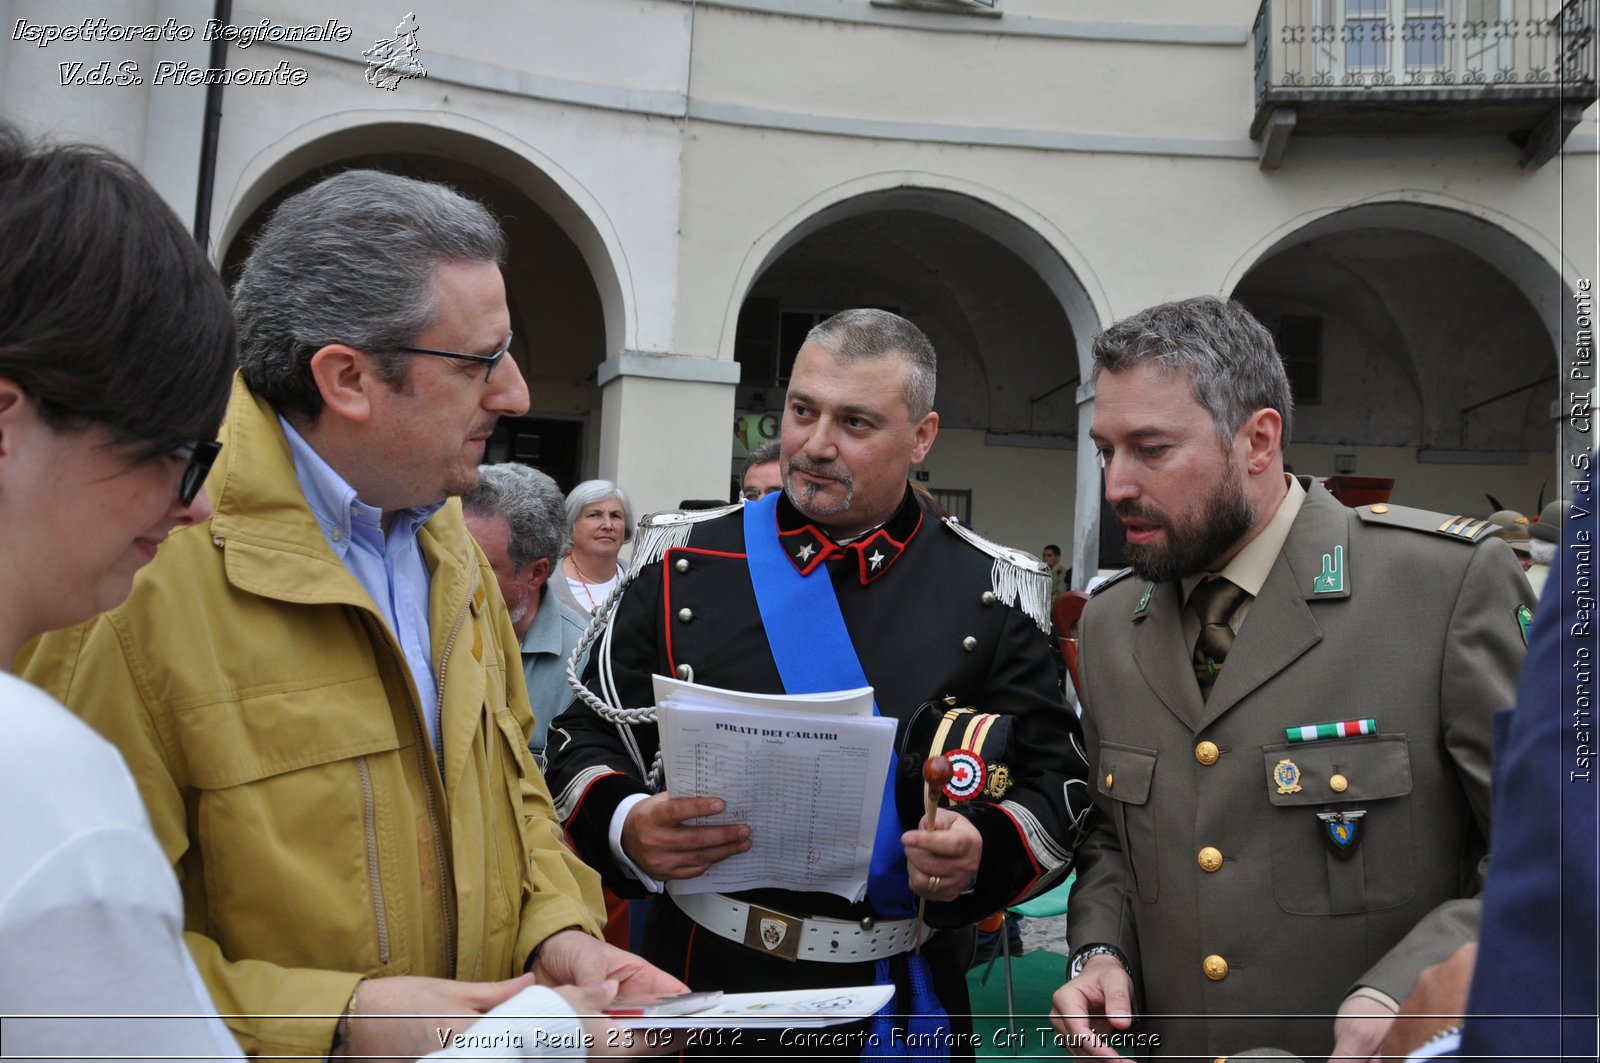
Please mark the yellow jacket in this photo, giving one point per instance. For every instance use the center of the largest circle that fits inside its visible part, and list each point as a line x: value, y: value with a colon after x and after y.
x: 272, y: 724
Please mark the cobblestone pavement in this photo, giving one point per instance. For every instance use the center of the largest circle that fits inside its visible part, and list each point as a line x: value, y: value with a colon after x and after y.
x: 1048, y: 934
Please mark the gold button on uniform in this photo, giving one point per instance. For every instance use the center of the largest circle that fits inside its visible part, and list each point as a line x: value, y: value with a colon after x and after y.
x: 1380, y: 508
x: 1206, y: 753
x: 1216, y: 968
x: 1109, y: 778
x: 1210, y: 859
x: 1338, y: 784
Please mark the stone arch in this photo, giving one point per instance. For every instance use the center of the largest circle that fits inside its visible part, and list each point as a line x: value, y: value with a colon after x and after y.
x: 1009, y: 302
x: 1024, y: 231
x: 328, y: 139
x: 1462, y: 314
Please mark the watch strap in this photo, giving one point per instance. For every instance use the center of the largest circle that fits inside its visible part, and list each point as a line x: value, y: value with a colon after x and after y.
x: 1088, y: 952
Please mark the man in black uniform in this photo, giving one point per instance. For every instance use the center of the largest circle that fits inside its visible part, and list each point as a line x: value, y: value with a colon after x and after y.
x: 935, y: 614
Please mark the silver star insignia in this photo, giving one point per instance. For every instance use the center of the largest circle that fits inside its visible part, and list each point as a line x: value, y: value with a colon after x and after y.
x: 876, y: 558
x: 805, y: 552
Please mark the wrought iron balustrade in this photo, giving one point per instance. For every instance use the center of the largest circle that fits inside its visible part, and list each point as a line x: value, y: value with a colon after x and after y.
x: 1424, y: 44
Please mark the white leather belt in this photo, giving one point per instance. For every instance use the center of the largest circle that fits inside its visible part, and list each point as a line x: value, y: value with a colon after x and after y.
x: 794, y: 937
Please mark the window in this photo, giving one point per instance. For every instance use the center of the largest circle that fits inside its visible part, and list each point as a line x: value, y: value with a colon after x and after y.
x: 793, y: 325
x: 955, y: 501
x: 769, y: 335
x: 1299, y: 340
x: 1366, y: 25
x: 1363, y: 43
x: 1424, y: 34
x: 1486, y: 41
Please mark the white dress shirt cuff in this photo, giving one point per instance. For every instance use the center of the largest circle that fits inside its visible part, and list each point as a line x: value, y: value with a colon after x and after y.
x: 614, y: 836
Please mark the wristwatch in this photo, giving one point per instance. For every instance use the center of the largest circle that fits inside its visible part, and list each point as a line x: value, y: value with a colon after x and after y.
x: 1083, y: 955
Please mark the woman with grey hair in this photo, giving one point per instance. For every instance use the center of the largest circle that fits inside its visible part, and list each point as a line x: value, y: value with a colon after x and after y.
x: 599, y: 521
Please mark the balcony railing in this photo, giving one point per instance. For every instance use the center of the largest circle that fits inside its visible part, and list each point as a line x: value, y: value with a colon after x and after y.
x: 1418, y: 43
x: 1344, y: 63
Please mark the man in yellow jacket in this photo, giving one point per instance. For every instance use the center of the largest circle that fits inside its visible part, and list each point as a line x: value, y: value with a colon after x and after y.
x: 319, y: 690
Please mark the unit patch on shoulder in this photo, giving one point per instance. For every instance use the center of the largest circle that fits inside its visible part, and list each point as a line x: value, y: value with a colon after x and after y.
x: 1462, y: 529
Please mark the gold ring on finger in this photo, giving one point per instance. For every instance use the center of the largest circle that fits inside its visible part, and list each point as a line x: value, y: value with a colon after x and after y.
x: 933, y: 882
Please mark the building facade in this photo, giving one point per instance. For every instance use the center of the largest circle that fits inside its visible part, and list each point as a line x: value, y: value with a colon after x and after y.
x: 1405, y: 190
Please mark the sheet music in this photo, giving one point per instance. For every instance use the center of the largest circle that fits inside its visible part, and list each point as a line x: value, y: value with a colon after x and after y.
x: 805, y: 772
x: 793, y: 1008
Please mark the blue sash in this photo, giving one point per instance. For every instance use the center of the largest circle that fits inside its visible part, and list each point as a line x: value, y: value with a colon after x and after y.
x: 813, y: 652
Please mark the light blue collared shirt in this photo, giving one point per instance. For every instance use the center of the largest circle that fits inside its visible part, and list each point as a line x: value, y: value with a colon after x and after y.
x: 550, y: 640
x: 390, y: 567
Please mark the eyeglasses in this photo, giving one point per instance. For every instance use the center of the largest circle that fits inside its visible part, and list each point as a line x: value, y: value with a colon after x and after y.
x: 200, y: 454
x: 753, y: 494
x: 490, y: 360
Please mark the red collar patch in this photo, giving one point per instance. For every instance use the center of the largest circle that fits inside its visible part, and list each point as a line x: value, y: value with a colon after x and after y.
x: 808, y: 547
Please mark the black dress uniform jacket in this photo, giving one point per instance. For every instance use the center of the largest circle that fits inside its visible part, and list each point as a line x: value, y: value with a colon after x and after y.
x: 919, y: 602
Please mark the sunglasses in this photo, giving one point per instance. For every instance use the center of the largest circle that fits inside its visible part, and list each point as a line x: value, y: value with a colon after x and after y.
x: 490, y: 360
x: 201, y: 455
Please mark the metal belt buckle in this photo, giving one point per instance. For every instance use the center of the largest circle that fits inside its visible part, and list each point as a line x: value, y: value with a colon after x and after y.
x: 772, y: 932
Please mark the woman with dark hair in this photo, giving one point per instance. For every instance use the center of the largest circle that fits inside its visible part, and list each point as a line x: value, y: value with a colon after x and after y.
x: 117, y: 349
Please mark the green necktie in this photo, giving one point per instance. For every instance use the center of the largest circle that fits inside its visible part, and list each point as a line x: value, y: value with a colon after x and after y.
x: 1214, y: 602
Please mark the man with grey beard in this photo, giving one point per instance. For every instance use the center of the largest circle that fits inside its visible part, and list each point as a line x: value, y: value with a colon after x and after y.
x: 1288, y: 706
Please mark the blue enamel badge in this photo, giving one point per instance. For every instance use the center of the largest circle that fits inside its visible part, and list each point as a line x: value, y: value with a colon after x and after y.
x: 1342, y: 831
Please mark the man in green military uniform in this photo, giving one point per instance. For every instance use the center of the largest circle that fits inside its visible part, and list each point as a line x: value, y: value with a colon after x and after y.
x: 1287, y: 705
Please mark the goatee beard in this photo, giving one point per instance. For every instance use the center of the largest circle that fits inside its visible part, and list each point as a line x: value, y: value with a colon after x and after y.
x: 804, y: 495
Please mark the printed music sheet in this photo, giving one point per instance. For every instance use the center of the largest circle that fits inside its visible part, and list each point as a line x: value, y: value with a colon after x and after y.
x: 805, y: 772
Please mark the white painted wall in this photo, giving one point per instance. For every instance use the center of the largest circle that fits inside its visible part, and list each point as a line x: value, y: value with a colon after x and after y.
x: 1446, y: 488
x: 686, y: 141
x: 1021, y: 496
x: 665, y: 440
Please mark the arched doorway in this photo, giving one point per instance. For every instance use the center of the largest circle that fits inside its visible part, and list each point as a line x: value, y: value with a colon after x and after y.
x: 1422, y: 343
x: 1005, y: 312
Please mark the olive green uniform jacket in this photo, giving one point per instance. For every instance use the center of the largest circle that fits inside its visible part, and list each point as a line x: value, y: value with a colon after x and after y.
x: 272, y: 724
x: 1421, y: 633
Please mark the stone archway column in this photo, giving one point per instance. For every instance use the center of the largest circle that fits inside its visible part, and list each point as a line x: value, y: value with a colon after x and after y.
x: 666, y: 425
x: 1086, y: 503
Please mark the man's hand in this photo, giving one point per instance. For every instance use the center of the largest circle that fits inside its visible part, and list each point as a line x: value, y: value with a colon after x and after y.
x: 1358, y: 1030
x: 610, y: 1041
x: 396, y: 1018
x: 571, y: 957
x: 942, y: 864
x: 1438, y: 1001
x: 1092, y: 1006
x: 656, y: 836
